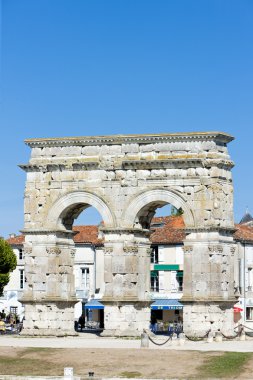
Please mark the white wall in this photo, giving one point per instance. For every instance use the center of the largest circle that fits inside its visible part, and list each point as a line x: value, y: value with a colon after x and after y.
x: 12, y: 291
x: 245, y: 257
x: 168, y: 284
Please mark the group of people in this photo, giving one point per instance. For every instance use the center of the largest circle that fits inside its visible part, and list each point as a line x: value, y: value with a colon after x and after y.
x: 175, y: 327
x: 10, y: 321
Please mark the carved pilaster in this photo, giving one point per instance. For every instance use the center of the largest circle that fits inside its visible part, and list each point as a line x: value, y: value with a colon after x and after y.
x: 187, y: 248
x: 108, y: 250
x: 215, y: 248
x: 27, y: 251
x: 130, y: 249
x: 232, y: 250
x: 72, y: 252
x: 53, y: 251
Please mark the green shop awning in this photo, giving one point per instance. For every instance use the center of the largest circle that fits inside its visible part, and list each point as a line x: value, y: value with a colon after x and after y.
x: 166, y: 267
x: 166, y: 304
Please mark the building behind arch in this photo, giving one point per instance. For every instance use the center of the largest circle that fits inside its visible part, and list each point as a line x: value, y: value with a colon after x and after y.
x: 166, y: 271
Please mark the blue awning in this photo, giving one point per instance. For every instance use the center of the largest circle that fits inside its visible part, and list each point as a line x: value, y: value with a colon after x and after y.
x: 93, y: 304
x: 166, y: 304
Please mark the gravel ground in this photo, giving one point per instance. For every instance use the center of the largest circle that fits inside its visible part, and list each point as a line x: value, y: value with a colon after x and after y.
x: 94, y: 341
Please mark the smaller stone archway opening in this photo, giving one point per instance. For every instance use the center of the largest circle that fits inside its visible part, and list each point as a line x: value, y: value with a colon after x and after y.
x: 141, y: 210
x: 71, y: 213
x: 146, y: 214
x: 144, y: 218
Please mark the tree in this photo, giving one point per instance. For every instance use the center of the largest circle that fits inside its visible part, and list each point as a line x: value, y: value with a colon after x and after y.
x: 176, y: 212
x: 8, y: 262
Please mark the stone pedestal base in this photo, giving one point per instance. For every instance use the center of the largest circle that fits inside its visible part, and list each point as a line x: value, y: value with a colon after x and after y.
x: 203, y: 316
x: 49, y: 318
x: 126, y: 319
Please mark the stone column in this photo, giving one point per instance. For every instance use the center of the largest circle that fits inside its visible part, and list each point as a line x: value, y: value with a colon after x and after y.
x: 127, y: 282
x: 49, y: 294
x: 208, y: 296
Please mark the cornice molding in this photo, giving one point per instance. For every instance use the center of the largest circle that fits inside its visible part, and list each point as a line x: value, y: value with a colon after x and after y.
x: 47, y: 231
x: 129, y: 139
x: 177, y: 163
x: 224, y: 230
x: 59, y: 167
x: 119, y: 230
x: 187, y: 162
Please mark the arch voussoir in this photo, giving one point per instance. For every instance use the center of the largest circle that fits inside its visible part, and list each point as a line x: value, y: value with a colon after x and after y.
x: 70, y: 199
x: 163, y: 196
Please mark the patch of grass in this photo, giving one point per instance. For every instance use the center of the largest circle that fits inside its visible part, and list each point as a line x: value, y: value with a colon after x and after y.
x: 41, y: 350
x: 130, y: 375
x: 26, y: 366
x: 227, y: 365
x: 129, y: 337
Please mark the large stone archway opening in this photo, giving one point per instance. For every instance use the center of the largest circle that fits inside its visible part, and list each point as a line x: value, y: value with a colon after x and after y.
x: 126, y: 178
x: 50, y: 296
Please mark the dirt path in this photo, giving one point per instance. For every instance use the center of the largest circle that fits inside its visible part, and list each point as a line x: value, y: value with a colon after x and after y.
x: 103, y: 362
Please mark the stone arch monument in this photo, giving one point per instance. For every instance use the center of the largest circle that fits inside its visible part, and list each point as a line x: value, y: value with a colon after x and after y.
x: 126, y: 178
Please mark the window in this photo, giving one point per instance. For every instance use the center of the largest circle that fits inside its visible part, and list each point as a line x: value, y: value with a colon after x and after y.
x: 21, y: 278
x: 154, y: 255
x: 250, y: 279
x: 20, y: 254
x: 180, y: 280
x: 14, y: 310
x: 249, y: 313
x: 154, y: 281
x: 85, y: 279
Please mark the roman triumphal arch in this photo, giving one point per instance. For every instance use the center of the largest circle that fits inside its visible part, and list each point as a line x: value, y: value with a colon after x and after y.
x: 126, y: 178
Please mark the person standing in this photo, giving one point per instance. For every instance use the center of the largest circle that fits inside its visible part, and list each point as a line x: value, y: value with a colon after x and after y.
x: 81, y: 321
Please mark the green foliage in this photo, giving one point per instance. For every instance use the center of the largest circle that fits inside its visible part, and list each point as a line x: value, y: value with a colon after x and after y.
x: 229, y: 365
x: 176, y: 212
x: 130, y: 375
x: 8, y: 262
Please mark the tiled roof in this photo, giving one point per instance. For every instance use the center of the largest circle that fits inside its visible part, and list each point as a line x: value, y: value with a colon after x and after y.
x: 243, y: 233
x: 87, y: 234
x: 171, y: 231
x: 16, y: 240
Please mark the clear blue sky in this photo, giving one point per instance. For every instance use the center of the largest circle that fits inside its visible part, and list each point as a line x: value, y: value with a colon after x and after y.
x: 89, y: 67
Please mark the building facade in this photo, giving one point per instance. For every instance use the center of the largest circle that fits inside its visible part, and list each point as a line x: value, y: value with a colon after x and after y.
x: 166, y: 271
x: 244, y: 270
x: 13, y: 291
